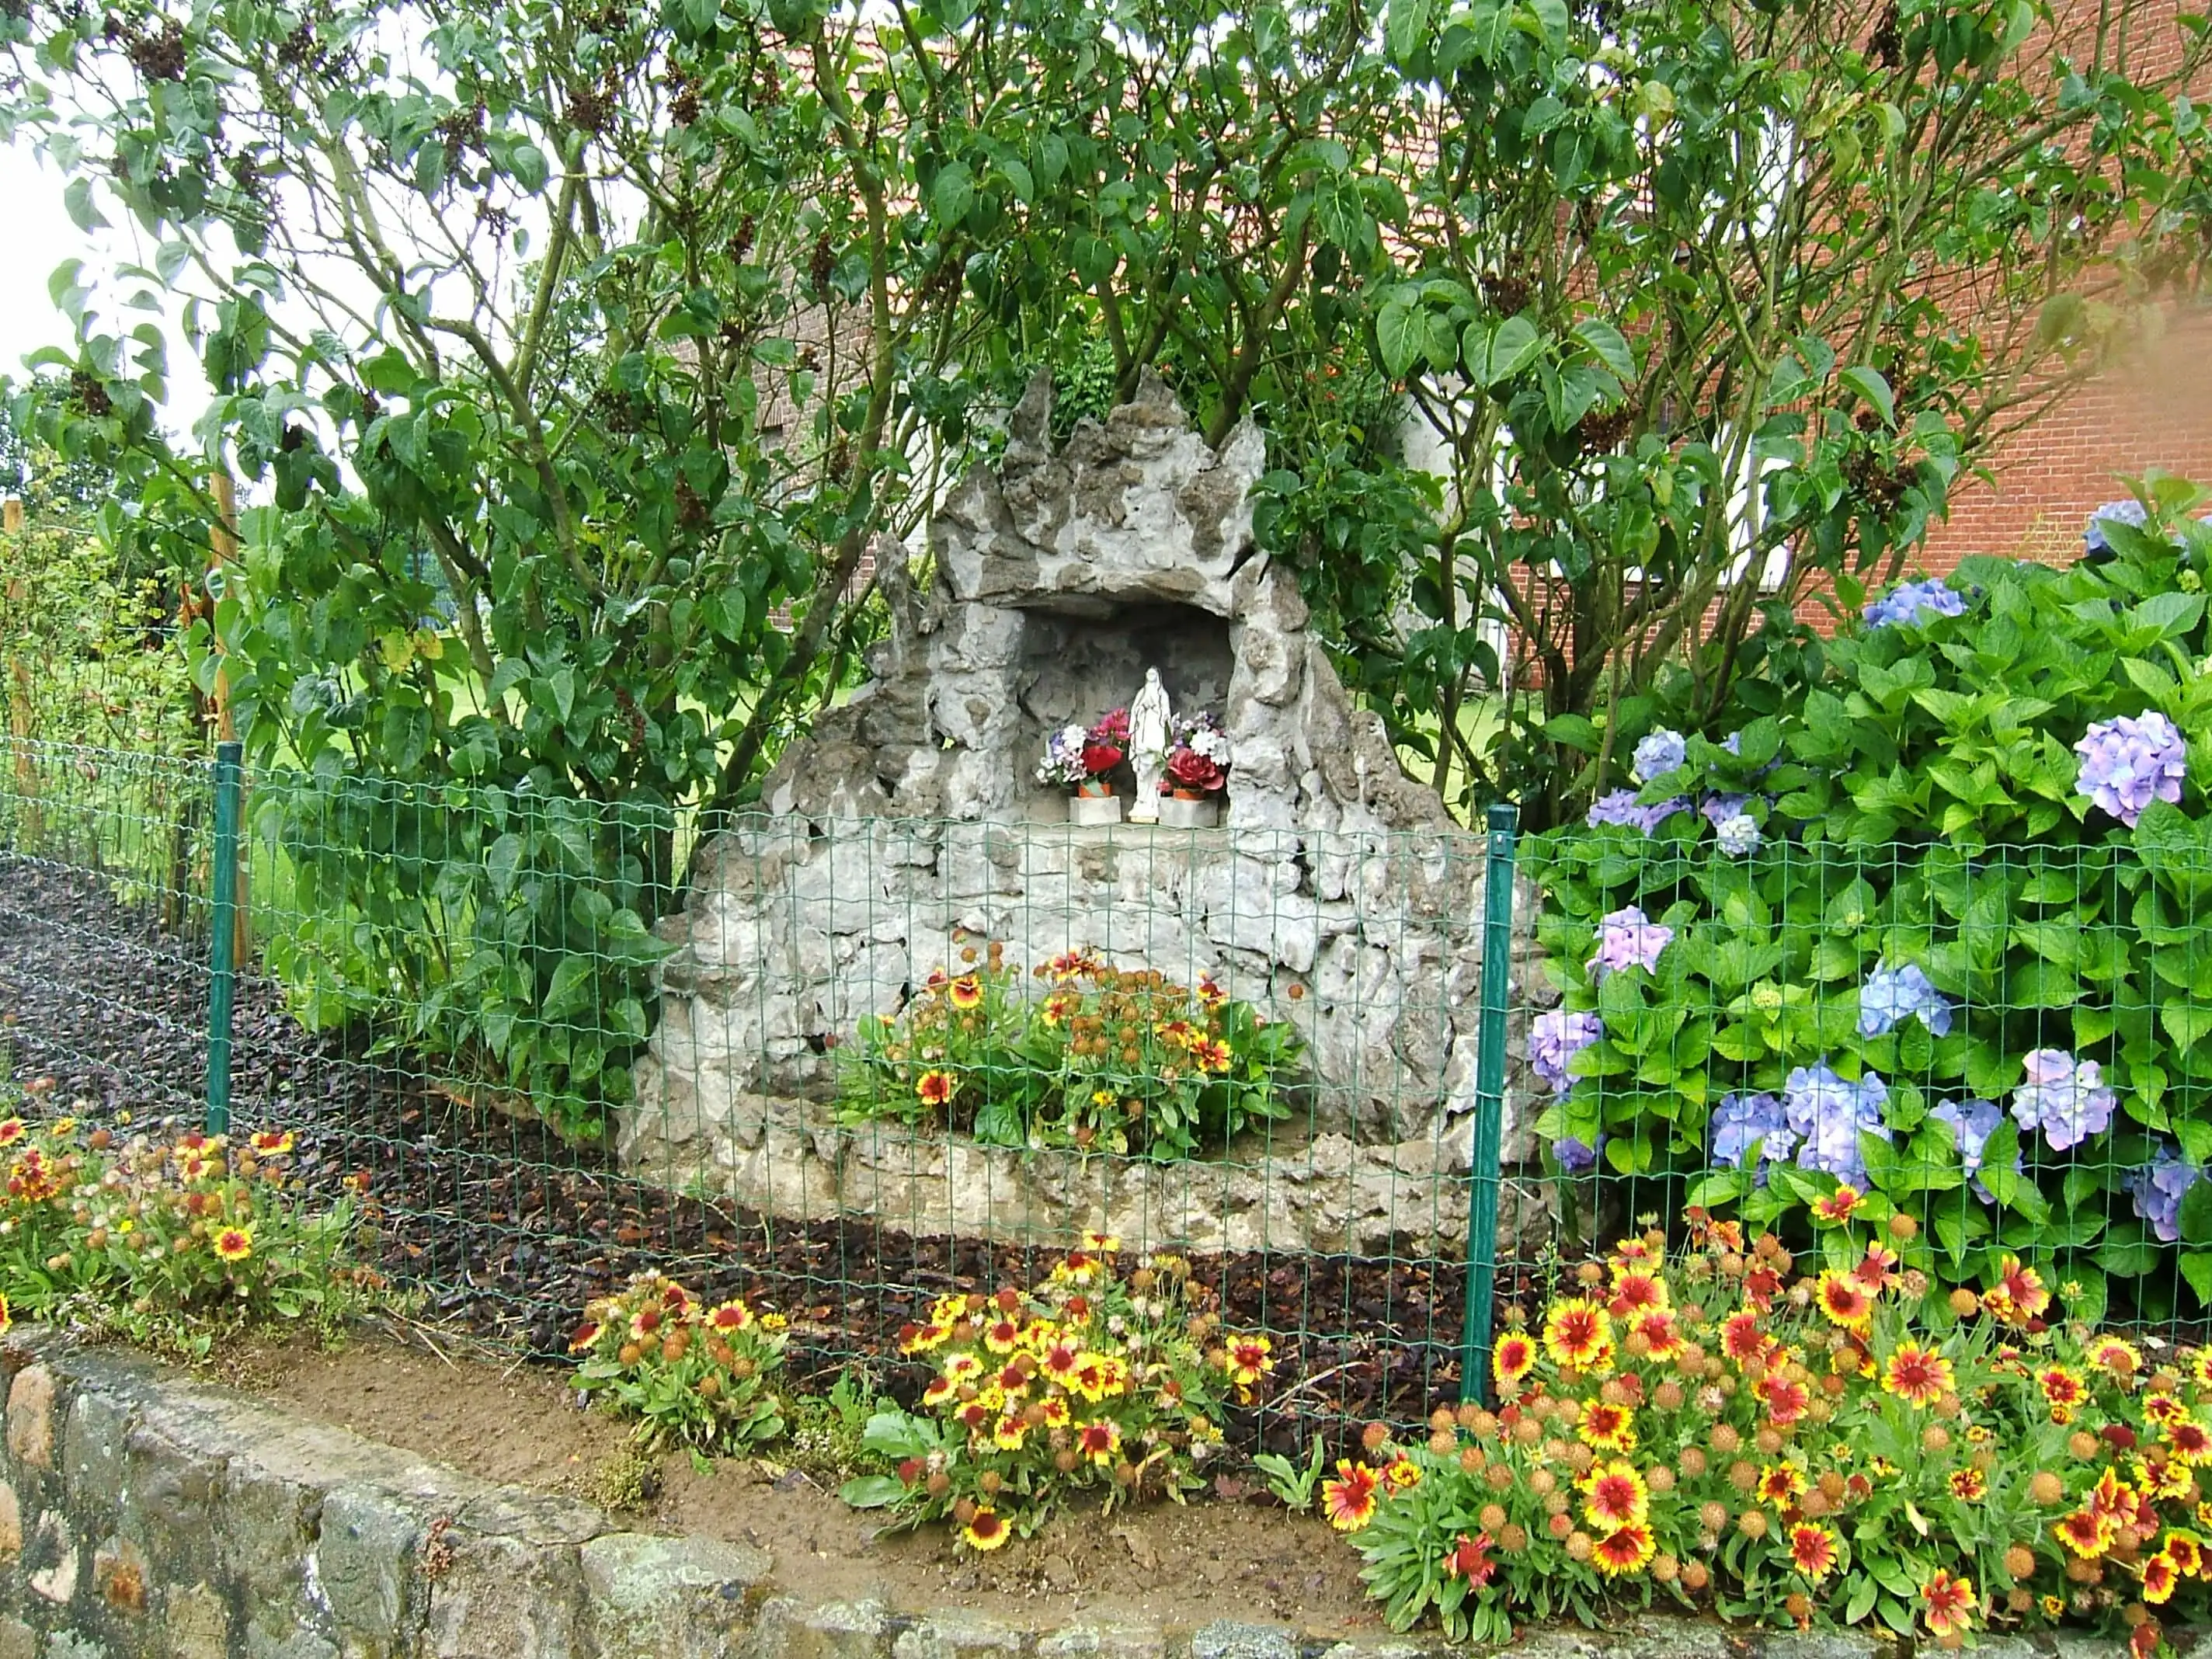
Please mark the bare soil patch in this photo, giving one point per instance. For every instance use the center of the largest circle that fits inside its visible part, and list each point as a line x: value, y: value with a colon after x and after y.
x: 501, y: 1419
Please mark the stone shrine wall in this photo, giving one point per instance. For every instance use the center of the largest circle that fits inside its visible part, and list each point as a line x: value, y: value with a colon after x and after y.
x: 907, y: 825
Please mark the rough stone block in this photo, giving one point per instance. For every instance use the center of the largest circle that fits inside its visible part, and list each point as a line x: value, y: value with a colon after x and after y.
x: 505, y: 1598
x: 197, y: 1624
x: 957, y: 1636
x: 31, y: 1416
x: 121, y: 1577
x: 1225, y: 1639
x: 364, y: 1561
x: 50, y: 1557
x: 663, y: 1598
x: 11, y: 1523
x: 17, y: 1640
x: 93, y: 1437
x: 1103, y: 1642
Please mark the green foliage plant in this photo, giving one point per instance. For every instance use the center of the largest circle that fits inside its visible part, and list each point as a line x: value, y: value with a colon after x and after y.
x: 1100, y: 1379
x: 689, y: 1375
x: 1103, y: 1060
x: 1920, y: 807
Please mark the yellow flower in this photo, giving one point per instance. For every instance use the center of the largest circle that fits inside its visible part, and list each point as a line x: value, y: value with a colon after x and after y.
x: 987, y: 1531
x: 233, y: 1244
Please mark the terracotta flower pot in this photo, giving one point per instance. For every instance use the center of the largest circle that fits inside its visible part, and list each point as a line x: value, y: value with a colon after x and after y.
x: 1182, y: 794
x: 1095, y: 789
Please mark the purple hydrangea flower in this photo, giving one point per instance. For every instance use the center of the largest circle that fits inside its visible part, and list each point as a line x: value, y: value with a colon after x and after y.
x: 1827, y: 1112
x: 2129, y: 511
x: 1747, y: 1127
x: 1628, y: 938
x: 1719, y: 809
x: 1908, y: 601
x: 1620, y: 807
x: 2158, y: 1188
x: 1738, y: 837
x: 1891, y: 995
x: 1575, y: 1155
x: 2065, y: 1098
x: 1972, y: 1123
x: 2128, y: 761
x: 1555, y: 1038
x: 1658, y: 755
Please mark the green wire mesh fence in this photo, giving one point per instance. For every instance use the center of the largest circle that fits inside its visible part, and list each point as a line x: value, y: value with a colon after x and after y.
x: 841, y: 1066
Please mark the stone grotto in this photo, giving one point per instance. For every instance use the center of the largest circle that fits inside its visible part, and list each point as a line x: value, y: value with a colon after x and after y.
x: 908, y: 823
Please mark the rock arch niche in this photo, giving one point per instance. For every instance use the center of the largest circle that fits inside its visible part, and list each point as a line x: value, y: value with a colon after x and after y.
x: 907, y: 826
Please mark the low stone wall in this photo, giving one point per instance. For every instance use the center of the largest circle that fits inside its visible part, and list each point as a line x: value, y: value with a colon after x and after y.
x: 143, y: 1513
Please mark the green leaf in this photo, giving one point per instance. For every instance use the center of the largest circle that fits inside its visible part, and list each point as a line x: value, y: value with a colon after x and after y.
x: 1605, y: 343
x: 1403, y: 336
x: 2195, y: 1213
x: 571, y: 989
x: 526, y: 163
x: 2196, y: 1268
x: 871, y: 1491
x: 953, y: 193
x: 1869, y: 385
x: 1406, y: 27
x: 1509, y: 349
x: 503, y: 860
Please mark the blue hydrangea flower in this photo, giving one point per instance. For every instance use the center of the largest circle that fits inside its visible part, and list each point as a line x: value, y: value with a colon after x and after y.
x: 1892, y: 994
x: 1738, y: 837
x: 1628, y: 938
x: 2129, y: 761
x: 1733, y: 743
x: 1719, y: 809
x: 1556, y: 1037
x: 1575, y: 1156
x: 1827, y: 1112
x: 1658, y: 755
x: 2158, y: 1189
x: 2065, y: 1098
x: 2129, y: 511
x: 1620, y: 807
x: 1972, y: 1123
x: 1747, y: 1127
x: 1908, y: 601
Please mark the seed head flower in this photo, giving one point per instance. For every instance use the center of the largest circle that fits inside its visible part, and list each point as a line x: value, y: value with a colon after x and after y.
x: 1556, y: 1036
x: 2129, y: 760
x: 1909, y: 602
x: 1626, y: 938
x: 2065, y: 1098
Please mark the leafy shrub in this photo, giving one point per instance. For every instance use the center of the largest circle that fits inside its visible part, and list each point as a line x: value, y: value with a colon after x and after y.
x: 691, y: 1376
x: 139, y: 1230
x: 1928, y: 926
x: 1095, y: 1380
x: 1107, y: 1060
x: 1848, y: 1446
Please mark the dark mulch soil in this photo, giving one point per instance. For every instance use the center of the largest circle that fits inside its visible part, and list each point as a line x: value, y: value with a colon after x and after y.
x: 509, y: 1231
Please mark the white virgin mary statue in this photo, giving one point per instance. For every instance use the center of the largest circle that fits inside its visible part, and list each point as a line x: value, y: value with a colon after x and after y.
x: 1149, y: 717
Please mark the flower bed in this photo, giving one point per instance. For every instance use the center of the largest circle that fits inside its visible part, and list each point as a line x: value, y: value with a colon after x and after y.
x: 1844, y: 1446
x: 1107, y: 1060
x: 1922, y: 921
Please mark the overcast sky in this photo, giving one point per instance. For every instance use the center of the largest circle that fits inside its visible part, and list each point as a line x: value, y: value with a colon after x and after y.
x: 39, y: 237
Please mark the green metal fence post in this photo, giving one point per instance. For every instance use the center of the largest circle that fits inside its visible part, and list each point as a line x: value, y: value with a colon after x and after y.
x: 223, y: 920
x: 1484, y: 1176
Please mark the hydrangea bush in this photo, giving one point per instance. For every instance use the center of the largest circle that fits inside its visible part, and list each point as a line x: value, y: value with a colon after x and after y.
x: 1925, y: 922
x: 1823, y: 1440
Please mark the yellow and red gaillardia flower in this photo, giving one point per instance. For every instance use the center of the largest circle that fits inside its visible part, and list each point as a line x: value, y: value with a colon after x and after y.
x: 2200, y: 1368
x: 2164, y: 1409
x: 2159, y: 1576
x: 1605, y: 1427
x: 2019, y: 1295
x: 1402, y: 1474
x: 1513, y: 1359
x: 1916, y: 1374
x: 2113, y: 1498
x: 2190, y: 1443
x: 1577, y: 1333
x: 1002, y: 1335
x: 934, y: 1088
x: 1615, y: 1496
x: 1628, y: 1550
x: 2115, y: 1355
x: 233, y: 1244
x: 271, y: 1144
x: 734, y: 1316
x: 1947, y: 1603
x: 1349, y: 1500
x: 1838, y: 1206
x: 1812, y: 1550
x: 1009, y: 1431
x: 1780, y: 1485
x: 2086, y: 1532
x: 924, y: 1338
x: 1969, y: 1485
x: 1877, y: 1269
x: 987, y: 1531
x: 2063, y: 1389
x: 2186, y: 1551
x: 1662, y: 1337
x: 1744, y: 1342
x: 1636, y: 1291
x: 1845, y: 1300
x: 580, y: 1339
x: 1247, y: 1360
x: 1785, y: 1400
x: 12, y: 1130
x: 965, y: 992
x: 1469, y: 1558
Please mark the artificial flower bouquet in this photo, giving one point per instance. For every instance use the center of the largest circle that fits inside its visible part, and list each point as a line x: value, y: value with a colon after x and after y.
x: 1838, y: 1443
x: 1100, y: 1379
x: 1198, y: 761
x: 1078, y: 758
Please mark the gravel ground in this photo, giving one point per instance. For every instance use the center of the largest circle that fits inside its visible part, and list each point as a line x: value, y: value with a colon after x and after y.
x: 508, y: 1231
